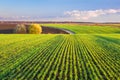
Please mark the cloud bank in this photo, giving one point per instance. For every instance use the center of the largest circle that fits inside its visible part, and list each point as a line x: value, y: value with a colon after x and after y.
x: 85, y: 15
x: 100, y: 15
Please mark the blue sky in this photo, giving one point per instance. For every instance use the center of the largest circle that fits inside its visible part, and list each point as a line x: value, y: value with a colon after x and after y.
x: 61, y: 10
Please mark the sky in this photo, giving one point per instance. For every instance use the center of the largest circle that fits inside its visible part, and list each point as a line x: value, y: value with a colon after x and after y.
x: 60, y: 10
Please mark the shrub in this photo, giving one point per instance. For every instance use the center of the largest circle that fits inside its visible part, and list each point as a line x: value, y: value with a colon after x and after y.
x: 35, y: 29
x: 20, y: 29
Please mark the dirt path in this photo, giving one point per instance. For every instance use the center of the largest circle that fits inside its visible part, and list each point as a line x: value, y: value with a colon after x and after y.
x: 54, y: 30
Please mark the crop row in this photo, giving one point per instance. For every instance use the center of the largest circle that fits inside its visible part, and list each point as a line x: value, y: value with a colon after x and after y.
x: 67, y: 57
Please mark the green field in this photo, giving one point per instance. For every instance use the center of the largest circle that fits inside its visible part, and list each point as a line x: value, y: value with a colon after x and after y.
x: 86, y: 29
x: 93, y: 53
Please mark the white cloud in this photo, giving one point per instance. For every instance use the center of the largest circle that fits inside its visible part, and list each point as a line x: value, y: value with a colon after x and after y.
x: 100, y: 15
x: 85, y: 15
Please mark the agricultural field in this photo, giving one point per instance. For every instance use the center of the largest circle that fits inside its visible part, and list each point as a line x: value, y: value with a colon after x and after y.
x: 92, y: 53
x: 86, y: 28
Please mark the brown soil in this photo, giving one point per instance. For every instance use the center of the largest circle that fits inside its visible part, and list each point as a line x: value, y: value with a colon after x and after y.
x: 49, y: 30
x: 7, y: 28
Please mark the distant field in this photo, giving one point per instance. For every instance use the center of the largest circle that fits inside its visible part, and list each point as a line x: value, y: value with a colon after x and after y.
x: 86, y: 29
x: 93, y: 53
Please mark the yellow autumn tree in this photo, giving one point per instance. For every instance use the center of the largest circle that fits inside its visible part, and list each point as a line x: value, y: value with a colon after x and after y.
x: 35, y: 29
